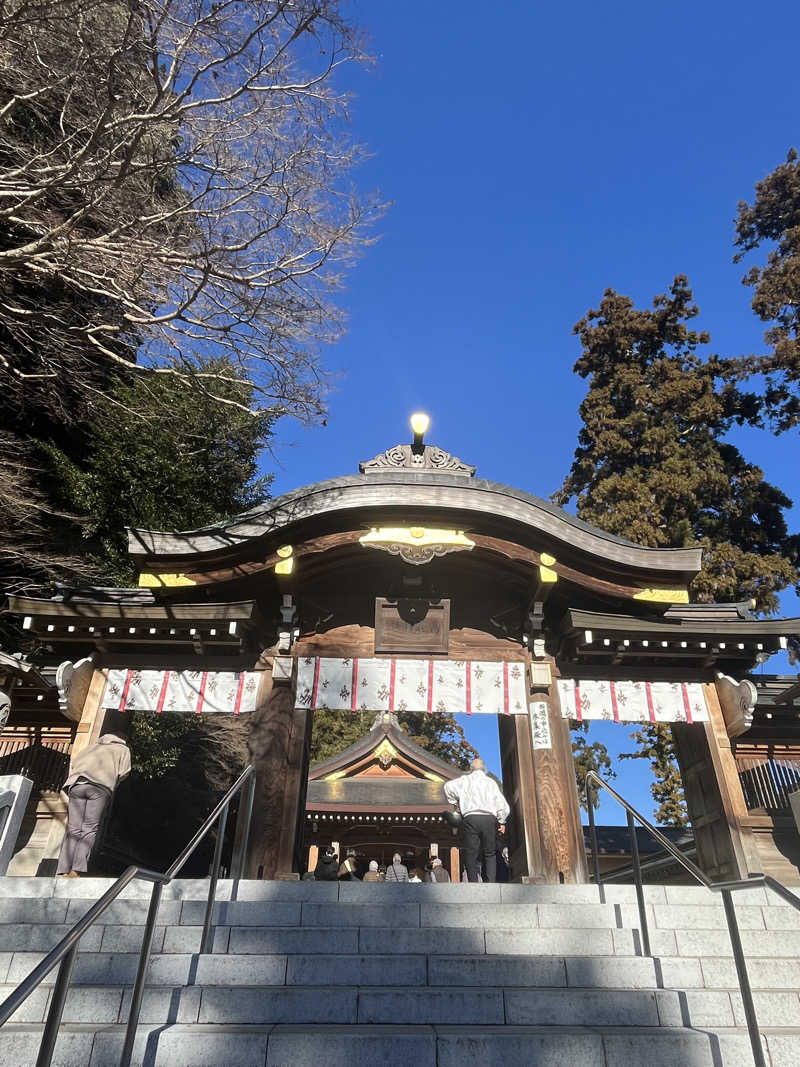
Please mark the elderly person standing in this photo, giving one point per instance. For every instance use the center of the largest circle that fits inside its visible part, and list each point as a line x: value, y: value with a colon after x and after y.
x: 94, y: 774
x: 397, y: 872
x: 483, y: 809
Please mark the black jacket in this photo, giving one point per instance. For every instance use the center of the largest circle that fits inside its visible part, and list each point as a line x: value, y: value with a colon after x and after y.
x: 327, y: 869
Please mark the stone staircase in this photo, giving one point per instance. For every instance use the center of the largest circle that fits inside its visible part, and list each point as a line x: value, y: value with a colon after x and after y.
x: 309, y: 973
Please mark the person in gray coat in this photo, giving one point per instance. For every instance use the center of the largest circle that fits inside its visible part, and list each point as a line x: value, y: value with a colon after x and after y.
x: 94, y: 774
x: 397, y: 871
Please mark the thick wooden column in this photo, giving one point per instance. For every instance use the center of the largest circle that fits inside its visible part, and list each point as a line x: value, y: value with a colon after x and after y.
x: 563, y: 855
x: 726, y: 848
x: 522, y: 829
x: 278, y: 747
x: 539, y: 783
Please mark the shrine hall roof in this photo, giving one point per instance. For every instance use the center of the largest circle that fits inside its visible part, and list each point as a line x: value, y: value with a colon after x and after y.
x: 377, y: 496
x: 385, y: 726
x: 371, y: 793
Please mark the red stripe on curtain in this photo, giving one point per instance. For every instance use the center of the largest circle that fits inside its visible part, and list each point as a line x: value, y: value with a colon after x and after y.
x: 430, y: 685
x: 687, y: 707
x: 392, y: 673
x: 614, y: 705
x: 354, y: 687
x: 578, y: 709
x: 163, y: 694
x: 468, y: 666
x: 315, y: 687
x: 125, y: 691
x: 237, y: 707
x: 506, y: 709
x: 202, y: 694
x: 650, y: 705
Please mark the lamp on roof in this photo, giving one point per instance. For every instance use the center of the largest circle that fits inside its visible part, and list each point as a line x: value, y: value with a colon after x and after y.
x: 419, y: 426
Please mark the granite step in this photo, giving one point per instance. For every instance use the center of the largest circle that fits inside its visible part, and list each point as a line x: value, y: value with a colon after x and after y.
x: 360, y: 969
x: 280, y: 1045
x: 359, y: 892
x: 416, y: 1005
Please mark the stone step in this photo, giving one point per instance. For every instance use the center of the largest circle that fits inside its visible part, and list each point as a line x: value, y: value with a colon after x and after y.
x: 358, y: 969
x: 388, y: 940
x: 427, y: 914
x: 360, y: 892
x: 415, y: 1005
x: 279, y: 1045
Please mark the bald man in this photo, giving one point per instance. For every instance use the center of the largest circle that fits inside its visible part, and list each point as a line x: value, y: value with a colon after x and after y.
x: 483, y: 808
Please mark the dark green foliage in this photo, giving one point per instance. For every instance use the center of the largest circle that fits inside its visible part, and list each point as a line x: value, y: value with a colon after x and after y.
x: 652, y: 465
x: 441, y: 735
x: 656, y: 745
x: 163, y: 455
x: 589, y: 757
x: 773, y: 219
x: 181, y: 765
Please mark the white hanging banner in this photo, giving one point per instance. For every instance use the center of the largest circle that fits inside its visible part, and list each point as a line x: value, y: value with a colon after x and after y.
x: 451, y: 687
x: 193, y: 692
x: 584, y: 700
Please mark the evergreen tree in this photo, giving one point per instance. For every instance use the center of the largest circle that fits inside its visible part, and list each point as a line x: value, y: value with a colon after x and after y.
x: 652, y: 465
x: 163, y: 455
x: 587, y: 757
x: 774, y: 218
x: 441, y: 735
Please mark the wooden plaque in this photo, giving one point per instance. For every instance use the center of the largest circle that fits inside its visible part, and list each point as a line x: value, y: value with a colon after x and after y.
x: 412, y: 625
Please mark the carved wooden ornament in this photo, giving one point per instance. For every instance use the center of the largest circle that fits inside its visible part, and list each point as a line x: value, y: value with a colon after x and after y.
x: 428, y: 459
x: 416, y: 544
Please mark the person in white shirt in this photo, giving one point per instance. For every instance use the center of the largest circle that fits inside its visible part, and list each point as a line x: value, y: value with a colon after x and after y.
x: 482, y: 807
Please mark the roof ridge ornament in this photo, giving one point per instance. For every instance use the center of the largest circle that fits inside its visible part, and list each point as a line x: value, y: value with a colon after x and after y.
x: 418, y: 457
x: 429, y: 460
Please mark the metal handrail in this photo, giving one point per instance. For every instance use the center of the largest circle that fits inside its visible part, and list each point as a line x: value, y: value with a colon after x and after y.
x: 66, y: 949
x: 654, y: 862
x: 725, y: 889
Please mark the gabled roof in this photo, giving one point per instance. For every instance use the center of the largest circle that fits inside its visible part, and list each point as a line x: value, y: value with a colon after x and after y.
x: 386, y: 727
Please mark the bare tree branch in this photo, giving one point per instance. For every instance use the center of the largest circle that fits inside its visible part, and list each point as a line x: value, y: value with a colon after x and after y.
x: 174, y: 181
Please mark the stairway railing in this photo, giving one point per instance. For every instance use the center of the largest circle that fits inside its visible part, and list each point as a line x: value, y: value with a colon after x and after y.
x: 66, y: 950
x: 725, y: 889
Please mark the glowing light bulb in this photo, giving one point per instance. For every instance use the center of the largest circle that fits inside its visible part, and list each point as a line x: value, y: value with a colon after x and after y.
x: 420, y: 423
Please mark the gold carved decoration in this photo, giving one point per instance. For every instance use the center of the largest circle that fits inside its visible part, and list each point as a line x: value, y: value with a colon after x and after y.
x: 385, y: 753
x: 162, y: 581
x: 285, y: 564
x: 663, y: 596
x: 416, y: 544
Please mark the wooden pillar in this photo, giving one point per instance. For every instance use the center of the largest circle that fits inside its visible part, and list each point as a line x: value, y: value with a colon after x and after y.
x: 522, y: 830
x: 562, y: 851
x: 313, y: 856
x: 726, y: 848
x: 278, y: 744
x: 546, y: 839
x: 455, y: 864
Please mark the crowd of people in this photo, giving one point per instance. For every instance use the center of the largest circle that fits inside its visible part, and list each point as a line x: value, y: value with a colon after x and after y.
x: 352, y: 869
x: 480, y: 813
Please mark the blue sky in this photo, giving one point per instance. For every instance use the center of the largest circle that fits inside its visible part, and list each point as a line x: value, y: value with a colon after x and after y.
x: 535, y: 155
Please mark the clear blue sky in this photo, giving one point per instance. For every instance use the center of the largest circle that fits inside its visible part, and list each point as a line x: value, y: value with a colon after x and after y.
x: 536, y: 154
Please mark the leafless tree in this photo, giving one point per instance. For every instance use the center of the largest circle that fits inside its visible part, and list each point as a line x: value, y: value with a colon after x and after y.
x: 174, y: 182
x: 32, y: 537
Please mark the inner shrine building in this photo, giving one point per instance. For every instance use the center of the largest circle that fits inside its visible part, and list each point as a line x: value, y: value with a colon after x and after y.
x: 415, y: 586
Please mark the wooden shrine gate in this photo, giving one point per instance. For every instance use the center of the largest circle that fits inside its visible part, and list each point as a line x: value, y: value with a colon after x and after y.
x: 411, y: 570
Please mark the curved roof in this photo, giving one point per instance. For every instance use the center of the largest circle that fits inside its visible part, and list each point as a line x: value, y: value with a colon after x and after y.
x: 386, y: 725
x: 385, y: 492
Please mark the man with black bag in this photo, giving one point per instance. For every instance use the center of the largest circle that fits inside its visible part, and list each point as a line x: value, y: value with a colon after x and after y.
x: 483, y: 809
